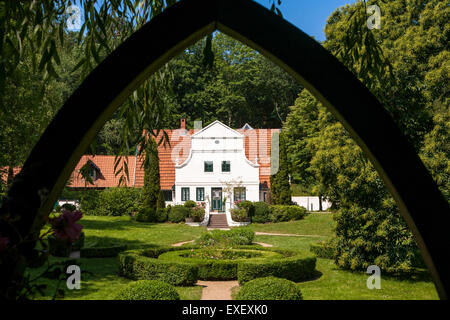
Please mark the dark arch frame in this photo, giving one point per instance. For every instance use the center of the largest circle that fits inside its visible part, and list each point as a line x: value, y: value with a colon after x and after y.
x: 45, y: 172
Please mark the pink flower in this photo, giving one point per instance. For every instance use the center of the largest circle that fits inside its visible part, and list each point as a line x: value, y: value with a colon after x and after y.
x: 3, y: 243
x: 65, y: 226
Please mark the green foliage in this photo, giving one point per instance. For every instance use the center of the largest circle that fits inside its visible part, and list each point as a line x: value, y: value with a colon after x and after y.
x: 279, y: 182
x: 138, y: 264
x: 118, y: 201
x: 178, y: 213
x: 148, y: 290
x: 226, y: 238
x: 161, y: 214
x: 323, y: 249
x: 151, y: 190
x: 239, y: 215
x: 146, y: 215
x: 436, y: 151
x: 279, y: 213
x: 269, y: 288
x: 368, y: 236
x: 161, y: 203
x: 294, y: 266
x: 248, y: 206
x: 197, y: 213
x: 262, y: 212
x: 190, y: 204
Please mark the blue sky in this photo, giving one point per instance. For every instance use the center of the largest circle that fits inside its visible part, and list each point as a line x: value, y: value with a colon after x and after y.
x: 309, y: 15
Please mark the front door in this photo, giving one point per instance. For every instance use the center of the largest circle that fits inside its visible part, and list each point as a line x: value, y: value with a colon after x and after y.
x: 216, y: 198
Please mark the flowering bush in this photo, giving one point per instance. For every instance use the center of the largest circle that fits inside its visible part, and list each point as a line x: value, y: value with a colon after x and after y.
x: 65, y: 227
x: 197, y: 213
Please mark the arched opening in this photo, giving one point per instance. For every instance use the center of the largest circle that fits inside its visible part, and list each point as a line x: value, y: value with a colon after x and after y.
x: 42, y: 178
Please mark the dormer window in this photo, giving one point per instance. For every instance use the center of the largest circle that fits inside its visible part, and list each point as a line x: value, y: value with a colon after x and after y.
x: 226, y: 166
x: 209, y: 167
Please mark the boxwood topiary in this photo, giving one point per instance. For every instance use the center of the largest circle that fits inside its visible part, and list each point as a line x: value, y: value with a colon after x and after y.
x: 269, y: 288
x: 148, y: 290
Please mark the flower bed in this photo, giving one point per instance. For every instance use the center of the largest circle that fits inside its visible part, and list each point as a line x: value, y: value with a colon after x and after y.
x: 181, y: 266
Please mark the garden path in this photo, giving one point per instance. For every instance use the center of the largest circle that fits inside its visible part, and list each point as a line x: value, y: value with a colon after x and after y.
x: 217, y: 290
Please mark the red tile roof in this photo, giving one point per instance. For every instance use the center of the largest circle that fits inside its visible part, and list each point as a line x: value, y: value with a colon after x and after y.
x: 257, y: 143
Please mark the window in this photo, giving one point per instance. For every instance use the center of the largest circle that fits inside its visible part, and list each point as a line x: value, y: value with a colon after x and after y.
x: 208, y: 166
x: 184, y: 194
x: 225, y: 166
x: 200, y: 194
x: 239, y: 194
x: 167, y: 195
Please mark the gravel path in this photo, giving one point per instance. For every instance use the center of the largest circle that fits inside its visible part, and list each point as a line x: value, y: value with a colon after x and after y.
x: 217, y: 290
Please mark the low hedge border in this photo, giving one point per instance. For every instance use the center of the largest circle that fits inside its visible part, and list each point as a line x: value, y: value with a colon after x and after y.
x: 220, y: 270
x: 140, y: 265
x: 102, y: 252
x: 295, y: 266
x: 322, y: 250
x: 145, y: 264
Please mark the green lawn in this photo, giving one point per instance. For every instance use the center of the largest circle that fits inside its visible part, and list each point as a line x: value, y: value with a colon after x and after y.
x: 337, y: 284
x: 332, y: 283
x: 313, y: 224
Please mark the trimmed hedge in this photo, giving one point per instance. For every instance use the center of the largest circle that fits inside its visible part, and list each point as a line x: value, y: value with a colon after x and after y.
x: 139, y: 264
x: 148, y: 290
x: 269, y: 288
x: 322, y: 250
x: 178, y: 213
x: 279, y: 213
x: 169, y: 265
x: 59, y: 248
x: 212, y: 269
x: 236, y: 236
x: 102, y: 252
x: 295, y: 266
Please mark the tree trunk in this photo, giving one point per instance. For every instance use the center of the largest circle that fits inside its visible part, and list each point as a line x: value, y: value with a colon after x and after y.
x: 320, y: 202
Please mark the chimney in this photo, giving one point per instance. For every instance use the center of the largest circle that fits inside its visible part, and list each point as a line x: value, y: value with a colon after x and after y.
x: 183, y: 123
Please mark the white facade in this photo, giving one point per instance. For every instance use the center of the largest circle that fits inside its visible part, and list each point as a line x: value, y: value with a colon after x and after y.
x: 311, y: 203
x: 214, y: 145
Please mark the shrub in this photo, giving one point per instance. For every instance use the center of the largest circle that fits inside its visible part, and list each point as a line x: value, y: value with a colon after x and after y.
x: 148, y: 290
x: 322, y: 249
x: 235, y: 236
x: 161, y: 214
x: 89, y: 201
x: 197, y: 213
x: 295, y: 266
x: 68, y: 206
x: 239, y: 215
x: 279, y: 213
x: 262, y: 212
x: 146, y: 215
x: 190, y: 204
x: 248, y: 206
x: 269, y: 288
x: 178, y: 213
x: 143, y: 265
x: 118, y: 201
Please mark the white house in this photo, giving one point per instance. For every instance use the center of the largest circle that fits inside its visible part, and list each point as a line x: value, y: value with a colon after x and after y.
x: 217, y: 171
